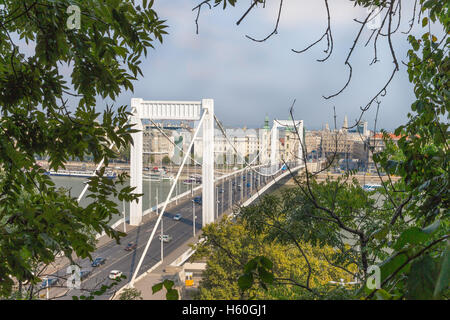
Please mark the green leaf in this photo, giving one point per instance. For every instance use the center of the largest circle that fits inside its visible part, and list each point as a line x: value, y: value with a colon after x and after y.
x: 443, y: 279
x: 245, y: 281
x: 172, y: 294
x: 251, y: 265
x: 168, y: 284
x: 157, y: 287
x: 381, y: 233
x: 412, y: 235
x: 381, y: 294
x: 432, y: 227
x: 392, y: 264
x: 266, y: 277
x: 265, y: 262
x: 422, y: 278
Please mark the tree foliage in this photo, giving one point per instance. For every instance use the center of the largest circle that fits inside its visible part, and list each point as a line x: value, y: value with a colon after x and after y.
x: 273, y: 269
x: 130, y: 294
x: 171, y: 292
x: 103, y: 56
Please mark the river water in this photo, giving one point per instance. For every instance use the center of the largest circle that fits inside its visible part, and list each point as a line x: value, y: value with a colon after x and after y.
x: 157, y: 188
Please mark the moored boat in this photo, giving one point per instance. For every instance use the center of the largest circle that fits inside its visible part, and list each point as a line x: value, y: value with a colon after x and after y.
x: 79, y: 174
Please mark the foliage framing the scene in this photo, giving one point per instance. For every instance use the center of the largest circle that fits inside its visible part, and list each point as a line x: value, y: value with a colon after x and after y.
x: 44, y: 115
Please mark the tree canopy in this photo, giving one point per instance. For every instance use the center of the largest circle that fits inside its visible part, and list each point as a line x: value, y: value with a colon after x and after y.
x: 103, y: 55
x: 229, y: 246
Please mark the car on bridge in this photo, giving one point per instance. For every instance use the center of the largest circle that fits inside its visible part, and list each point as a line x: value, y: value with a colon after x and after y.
x: 131, y: 246
x: 177, y: 217
x: 49, y: 282
x: 221, y: 190
x: 84, y: 274
x: 371, y: 187
x: 198, y: 200
x: 98, y: 261
x: 115, y: 274
x: 165, y: 238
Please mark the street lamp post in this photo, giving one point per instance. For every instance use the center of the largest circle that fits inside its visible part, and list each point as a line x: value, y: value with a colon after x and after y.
x: 223, y: 191
x: 177, y: 187
x: 124, y: 219
x: 217, y: 202
x: 156, y: 201
x: 162, y: 241
x: 230, y: 183
x: 193, y: 217
x: 242, y: 188
x: 150, y: 189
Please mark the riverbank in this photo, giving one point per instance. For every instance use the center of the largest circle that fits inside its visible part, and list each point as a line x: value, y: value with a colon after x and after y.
x: 323, y: 176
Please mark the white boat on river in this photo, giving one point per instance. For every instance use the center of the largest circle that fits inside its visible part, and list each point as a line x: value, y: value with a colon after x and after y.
x: 79, y: 174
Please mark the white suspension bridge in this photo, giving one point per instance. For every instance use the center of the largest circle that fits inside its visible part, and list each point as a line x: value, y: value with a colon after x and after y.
x: 202, y: 111
x: 262, y: 171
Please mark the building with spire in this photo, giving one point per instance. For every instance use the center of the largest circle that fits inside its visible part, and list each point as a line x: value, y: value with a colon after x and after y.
x: 266, y: 123
x: 345, y: 126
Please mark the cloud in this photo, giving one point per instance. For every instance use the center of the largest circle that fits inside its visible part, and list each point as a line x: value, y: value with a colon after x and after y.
x: 248, y: 80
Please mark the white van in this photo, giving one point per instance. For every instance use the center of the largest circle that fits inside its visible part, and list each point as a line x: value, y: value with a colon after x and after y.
x: 114, y: 274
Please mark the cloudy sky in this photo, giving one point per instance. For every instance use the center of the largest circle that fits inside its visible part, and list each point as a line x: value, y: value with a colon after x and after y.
x: 248, y: 80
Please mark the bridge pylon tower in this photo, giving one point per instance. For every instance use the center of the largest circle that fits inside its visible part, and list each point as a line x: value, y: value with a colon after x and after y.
x: 173, y: 110
x: 274, y: 141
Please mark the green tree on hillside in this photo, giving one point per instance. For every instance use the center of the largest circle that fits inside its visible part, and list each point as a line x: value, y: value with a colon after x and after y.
x: 229, y: 246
